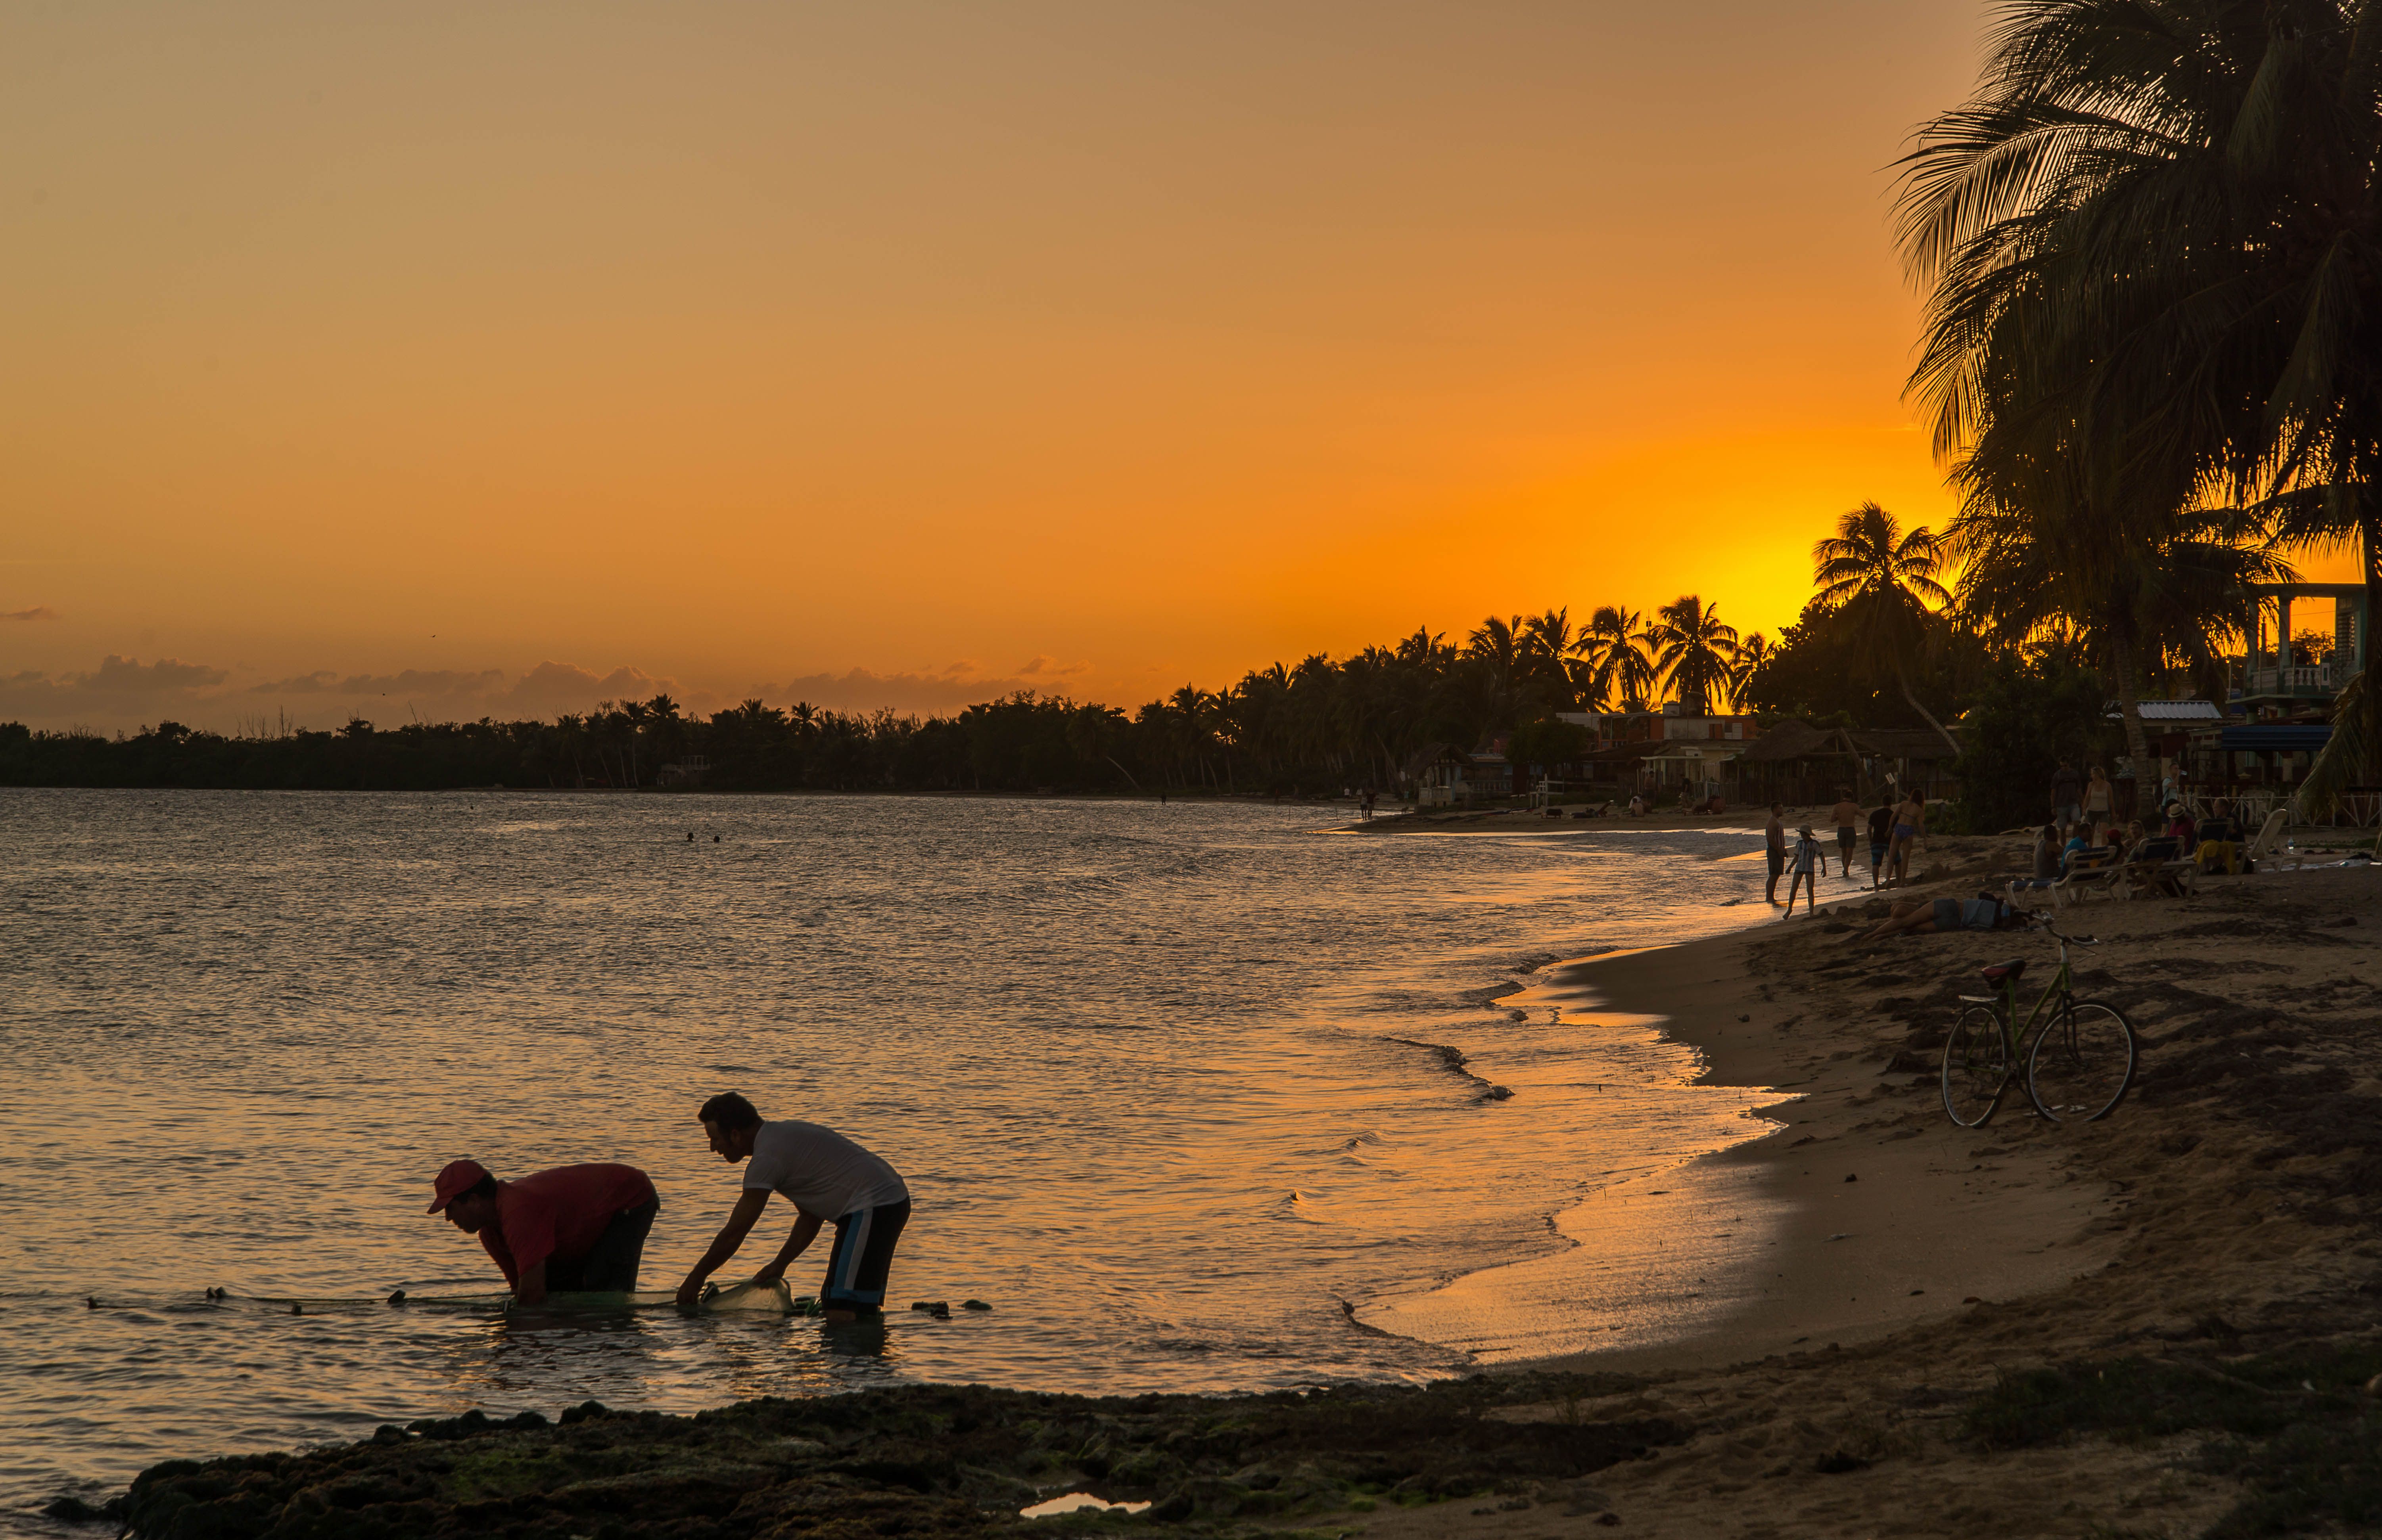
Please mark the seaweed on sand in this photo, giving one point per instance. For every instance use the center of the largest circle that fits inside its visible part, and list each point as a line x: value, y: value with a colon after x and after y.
x: 2298, y: 1428
x: 930, y: 1461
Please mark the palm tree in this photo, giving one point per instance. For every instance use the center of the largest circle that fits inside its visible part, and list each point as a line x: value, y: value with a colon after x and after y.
x: 1693, y: 651
x: 1620, y: 664
x: 1751, y: 654
x: 1493, y: 652
x: 1550, y: 649
x: 2153, y: 238
x: 1888, y: 585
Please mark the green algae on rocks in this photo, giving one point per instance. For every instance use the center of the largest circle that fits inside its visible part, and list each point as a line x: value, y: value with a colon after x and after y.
x: 927, y: 1460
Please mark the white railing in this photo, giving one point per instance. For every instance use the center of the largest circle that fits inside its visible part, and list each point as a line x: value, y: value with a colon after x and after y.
x: 2310, y: 678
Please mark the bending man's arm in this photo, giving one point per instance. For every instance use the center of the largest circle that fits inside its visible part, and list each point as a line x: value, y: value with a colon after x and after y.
x: 805, y: 1229
x: 530, y: 1287
x: 731, y: 1235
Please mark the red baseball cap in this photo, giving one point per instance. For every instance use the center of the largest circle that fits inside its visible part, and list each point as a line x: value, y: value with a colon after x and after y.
x: 459, y: 1178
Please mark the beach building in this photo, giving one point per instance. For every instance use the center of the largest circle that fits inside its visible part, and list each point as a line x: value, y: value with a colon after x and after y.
x: 1666, y: 752
x: 1907, y: 757
x: 1799, y: 764
x: 2272, y: 683
x: 1686, y: 768
x: 1802, y: 765
x: 1669, y: 724
x: 1445, y: 775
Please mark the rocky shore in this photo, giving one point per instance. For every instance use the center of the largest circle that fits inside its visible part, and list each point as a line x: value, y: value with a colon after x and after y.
x: 917, y: 1461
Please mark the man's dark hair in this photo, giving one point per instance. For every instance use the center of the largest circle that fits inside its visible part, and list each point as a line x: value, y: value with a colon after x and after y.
x: 483, y: 1188
x: 730, y: 1111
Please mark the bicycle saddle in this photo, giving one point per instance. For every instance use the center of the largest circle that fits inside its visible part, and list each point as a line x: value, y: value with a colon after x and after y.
x: 1997, y: 973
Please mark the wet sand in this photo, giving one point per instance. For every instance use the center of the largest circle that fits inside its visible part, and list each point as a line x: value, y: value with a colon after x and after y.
x: 2225, y: 1212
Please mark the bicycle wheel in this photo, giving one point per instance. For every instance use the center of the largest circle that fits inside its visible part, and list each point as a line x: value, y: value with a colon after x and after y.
x: 2082, y: 1063
x: 1977, y: 1067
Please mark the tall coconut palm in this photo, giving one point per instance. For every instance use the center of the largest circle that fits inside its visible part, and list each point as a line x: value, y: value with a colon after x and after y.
x: 1620, y: 664
x: 1551, y: 647
x: 2168, y: 213
x: 1693, y: 651
x: 1494, y: 653
x: 1889, y: 586
x: 1751, y: 654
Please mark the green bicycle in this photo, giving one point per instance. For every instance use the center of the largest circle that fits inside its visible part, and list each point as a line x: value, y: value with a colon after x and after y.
x: 2078, y: 1068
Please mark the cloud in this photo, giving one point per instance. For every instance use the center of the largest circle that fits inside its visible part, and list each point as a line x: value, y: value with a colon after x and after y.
x: 119, y: 690
x: 413, y: 684
x: 554, y: 688
x: 39, y: 612
x: 125, y: 694
x: 165, y: 676
x: 948, y: 689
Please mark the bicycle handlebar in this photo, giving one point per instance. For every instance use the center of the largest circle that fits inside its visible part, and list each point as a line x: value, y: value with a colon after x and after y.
x: 2071, y: 940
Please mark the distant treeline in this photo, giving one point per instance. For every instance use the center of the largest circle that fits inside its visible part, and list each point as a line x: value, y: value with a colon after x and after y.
x: 1319, y: 727
x: 1022, y: 743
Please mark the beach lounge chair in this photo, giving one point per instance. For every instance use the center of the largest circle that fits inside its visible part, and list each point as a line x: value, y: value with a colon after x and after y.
x: 2272, y: 836
x: 2089, y: 872
x: 2154, y: 866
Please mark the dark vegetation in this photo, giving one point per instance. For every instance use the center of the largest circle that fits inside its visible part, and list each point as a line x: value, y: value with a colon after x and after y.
x: 2024, y: 716
x: 1323, y: 725
x: 2297, y: 1427
x: 922, y: 1461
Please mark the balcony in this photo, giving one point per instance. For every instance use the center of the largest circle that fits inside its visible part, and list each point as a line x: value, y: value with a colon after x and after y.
x: 2314, y: 681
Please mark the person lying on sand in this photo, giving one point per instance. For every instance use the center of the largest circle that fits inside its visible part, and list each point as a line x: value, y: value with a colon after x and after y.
x: 828, y: 1179
x: 573, y: 1230
x: 1926, y: 916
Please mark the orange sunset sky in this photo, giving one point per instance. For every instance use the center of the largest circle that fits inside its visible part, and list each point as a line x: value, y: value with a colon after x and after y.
x: 458, y: 359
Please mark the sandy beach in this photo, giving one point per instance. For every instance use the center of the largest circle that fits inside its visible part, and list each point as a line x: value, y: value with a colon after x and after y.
x: 1864, y: 1372
x: 2222, y: 1212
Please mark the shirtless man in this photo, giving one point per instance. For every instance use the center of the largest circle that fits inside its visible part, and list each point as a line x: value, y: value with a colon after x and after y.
x: 1847, y: 815
x: 1773, y: 835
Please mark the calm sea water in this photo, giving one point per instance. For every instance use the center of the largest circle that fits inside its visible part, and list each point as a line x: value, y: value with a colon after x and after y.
x: 1162, y: 1080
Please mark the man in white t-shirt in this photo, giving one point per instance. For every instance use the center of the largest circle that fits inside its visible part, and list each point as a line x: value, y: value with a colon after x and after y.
x: 830, y: 1180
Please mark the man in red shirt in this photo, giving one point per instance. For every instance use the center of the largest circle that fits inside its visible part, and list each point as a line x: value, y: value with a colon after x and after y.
x: 575, y: 1229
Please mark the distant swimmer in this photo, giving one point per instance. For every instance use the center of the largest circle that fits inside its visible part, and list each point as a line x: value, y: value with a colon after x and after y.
x: 828, y: 1179
x: 573, y: 1230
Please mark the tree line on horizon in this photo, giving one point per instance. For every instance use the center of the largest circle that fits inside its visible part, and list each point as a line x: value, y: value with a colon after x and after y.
x: 1322, y: 724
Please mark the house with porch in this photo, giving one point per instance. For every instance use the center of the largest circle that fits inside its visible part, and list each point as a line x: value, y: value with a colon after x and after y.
x: 2271, y: 685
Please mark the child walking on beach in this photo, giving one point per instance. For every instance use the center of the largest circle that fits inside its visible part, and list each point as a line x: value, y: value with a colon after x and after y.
x: 1808, y: 855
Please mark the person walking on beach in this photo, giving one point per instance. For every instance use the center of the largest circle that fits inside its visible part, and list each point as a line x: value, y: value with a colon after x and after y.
x: 573, y: 1230
x: 1881, y: 826
x: 1809, y: 852
x: 1909, y: 822
x: 1773, y: 835
x: 830, y: 1180
x: 1847, y: 814
x: 2100, y: 805
x: 2067, y: 794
